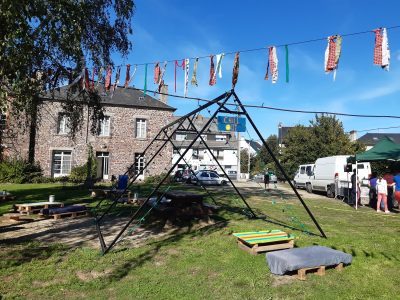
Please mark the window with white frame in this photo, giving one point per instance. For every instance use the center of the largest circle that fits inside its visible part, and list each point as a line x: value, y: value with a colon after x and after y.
x: 63, y: 124
x: 220, y: 138
x: 180, y: 137
x: 141, y: 128
x: 139, y: 163
x: 61, y: 163
x: 104, y: 126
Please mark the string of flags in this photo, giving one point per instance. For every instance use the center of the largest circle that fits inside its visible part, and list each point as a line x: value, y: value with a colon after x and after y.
x: 381, y: 57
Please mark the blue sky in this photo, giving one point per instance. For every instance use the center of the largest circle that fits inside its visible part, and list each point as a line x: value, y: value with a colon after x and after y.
x: 175, y: 29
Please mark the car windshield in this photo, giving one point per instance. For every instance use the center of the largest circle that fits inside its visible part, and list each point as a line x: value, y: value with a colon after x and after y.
x: 213, y: 175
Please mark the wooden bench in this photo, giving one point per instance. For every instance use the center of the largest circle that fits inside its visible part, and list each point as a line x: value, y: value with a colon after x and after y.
x: 72, y: 215
x: 29, y: 208
x: 256, y: 242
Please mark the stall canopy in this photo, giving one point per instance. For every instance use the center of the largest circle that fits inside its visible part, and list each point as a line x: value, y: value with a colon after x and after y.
x: 385, y: 149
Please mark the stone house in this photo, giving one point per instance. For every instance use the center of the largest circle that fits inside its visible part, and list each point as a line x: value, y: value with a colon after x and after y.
x: 130, y: 123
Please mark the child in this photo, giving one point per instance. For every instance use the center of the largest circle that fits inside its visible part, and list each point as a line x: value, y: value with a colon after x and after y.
x: 381, y: 190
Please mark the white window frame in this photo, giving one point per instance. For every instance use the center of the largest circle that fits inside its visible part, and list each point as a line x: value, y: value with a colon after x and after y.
x: 63, y: 124
x: 104, y: 126
x: 65, y: 170
x: 180, y: 137
x: 220, y: 138
x: 141, y: 128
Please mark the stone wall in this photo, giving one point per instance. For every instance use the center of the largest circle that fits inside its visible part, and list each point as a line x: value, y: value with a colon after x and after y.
x: 121, y: 144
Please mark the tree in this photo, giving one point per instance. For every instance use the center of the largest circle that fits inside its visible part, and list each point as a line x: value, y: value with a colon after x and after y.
x: 46, y: 43
x: 244, y: 161
x: 263, y: 159
x: 324, y: 137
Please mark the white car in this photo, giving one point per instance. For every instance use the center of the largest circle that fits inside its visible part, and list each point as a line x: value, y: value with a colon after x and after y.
x: 208, y: 178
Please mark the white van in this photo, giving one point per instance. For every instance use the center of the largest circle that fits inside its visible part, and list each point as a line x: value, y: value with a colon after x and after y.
x: 330, y: 171
x: 303, y: 175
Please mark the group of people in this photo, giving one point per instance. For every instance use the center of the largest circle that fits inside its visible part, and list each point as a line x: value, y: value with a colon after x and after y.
x: 384, y: 189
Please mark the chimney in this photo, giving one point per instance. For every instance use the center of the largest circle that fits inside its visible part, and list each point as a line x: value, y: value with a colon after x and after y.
x: 164, y: 90
x: 353, y: 135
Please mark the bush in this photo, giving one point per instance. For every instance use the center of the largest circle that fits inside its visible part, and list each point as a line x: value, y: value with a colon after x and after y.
x: 19, y: 171
x: 155, y: 179
x: 79, y: 173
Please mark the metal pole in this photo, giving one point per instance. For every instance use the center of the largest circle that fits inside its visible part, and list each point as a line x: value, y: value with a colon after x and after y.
x: 227, y: 96
x: 227, y: 176
x: 236, y: 99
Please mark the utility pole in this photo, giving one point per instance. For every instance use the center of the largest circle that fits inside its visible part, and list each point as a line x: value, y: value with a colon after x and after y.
x: 238, y: 156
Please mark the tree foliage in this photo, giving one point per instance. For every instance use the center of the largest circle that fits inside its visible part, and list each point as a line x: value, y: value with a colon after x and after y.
x: 47, y: 43
x: 324, y: 137
x: 263, y: 159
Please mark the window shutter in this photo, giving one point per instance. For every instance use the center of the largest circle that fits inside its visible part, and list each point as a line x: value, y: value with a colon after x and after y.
x: 135, y: 128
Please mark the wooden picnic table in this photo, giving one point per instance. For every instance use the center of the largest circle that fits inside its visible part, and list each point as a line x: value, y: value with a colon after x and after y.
x: 28, y: 208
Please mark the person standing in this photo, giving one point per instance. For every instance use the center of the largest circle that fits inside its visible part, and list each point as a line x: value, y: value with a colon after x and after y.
x: 266, y: 180
x: 390, y: 185
x: 396, y: 180
x: 372, y: 190
x: 381, y: 189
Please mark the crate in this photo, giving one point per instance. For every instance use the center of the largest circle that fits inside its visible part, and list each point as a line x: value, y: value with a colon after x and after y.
x: 263, y: 241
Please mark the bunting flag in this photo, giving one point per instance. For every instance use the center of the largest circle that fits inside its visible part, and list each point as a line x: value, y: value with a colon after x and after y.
x: 187, y: 65
x: 157, y: 73
x: 99, y: 76
x: 272, y: 66
x: 180, y: 66
x: 107, y: 82
x: 218, y: 70
x: 235, y: 72
x: 127, y: 76
x: 332, y: 54
x: 117, y: 75
x: 145, y: 80
x: 213, y: 79
x: 86, y: 83
x: 194, y: 75
x: 92, y: 82
x: 287, y: 62
x: 132, y: 76
x: 381, y: 49
x: 161, y: 81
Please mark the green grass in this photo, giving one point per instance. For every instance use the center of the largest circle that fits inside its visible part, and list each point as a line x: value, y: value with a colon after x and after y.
x: 206, y: 263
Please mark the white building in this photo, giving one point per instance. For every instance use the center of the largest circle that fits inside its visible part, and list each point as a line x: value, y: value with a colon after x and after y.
x: 223, y: 145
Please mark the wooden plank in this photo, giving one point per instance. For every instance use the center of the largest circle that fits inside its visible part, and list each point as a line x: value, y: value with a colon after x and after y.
x: 339, y: 267
x: 72, y: 215
x: 259, y: 248
x: 320, y: 271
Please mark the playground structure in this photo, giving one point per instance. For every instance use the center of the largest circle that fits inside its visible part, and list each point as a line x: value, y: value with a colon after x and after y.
x: 164, y: 138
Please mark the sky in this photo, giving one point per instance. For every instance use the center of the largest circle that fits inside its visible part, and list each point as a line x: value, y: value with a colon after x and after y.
x: 177, y: 29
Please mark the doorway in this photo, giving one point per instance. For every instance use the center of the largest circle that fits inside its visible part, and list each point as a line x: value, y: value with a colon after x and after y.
x: 103, y: 159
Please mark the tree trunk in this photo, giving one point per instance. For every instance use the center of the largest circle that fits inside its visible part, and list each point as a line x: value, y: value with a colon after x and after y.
x: 32, y: 130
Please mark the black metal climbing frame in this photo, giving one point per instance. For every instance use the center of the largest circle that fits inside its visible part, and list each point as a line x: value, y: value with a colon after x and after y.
x: 165, y: 137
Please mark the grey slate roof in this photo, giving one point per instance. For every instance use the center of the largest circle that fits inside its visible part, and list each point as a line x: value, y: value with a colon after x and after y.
x: 253, y: 144
x: 127, y: 97
x: 371, y: 139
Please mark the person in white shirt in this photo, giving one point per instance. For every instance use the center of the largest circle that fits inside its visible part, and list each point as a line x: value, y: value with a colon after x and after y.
x: 381, y: 190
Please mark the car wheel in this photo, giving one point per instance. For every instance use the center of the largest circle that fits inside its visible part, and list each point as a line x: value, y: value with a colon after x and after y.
x: 309, y: 187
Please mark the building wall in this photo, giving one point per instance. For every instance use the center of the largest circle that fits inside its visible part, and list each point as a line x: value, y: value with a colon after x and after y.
x: 122, y: 143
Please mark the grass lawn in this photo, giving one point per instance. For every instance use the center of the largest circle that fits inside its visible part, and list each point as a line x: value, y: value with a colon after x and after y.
x: 206, y: 263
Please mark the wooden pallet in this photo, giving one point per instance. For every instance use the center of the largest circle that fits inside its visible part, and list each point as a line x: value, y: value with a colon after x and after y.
x: 264, y: 241
x: 320, y: 271
x: 72, y: 215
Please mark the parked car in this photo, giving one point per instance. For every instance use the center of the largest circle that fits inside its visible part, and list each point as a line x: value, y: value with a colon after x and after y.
x: 260, y: 177
x: 303, y: 176
x: 208, y: 178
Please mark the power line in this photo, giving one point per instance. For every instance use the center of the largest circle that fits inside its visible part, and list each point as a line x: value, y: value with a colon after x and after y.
x: 277, y: 108
x: 261, y: 48
x: 374, y: 129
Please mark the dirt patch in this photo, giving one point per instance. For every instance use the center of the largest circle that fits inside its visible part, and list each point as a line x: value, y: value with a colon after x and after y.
x: 282, y: 280
x: 88, y: 276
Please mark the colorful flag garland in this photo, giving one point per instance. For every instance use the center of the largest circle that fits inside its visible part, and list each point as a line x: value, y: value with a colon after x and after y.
x: 182, y: 65
x: 213, y: 79
x: 127, y: 76
x: 107, y: 82
x: 187, y: 65
x: 194, y: 75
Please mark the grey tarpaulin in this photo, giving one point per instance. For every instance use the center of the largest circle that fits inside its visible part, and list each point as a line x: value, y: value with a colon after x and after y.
x: 280, y: 262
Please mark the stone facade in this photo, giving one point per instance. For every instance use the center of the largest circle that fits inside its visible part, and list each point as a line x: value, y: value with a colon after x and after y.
x: 121, y: 144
